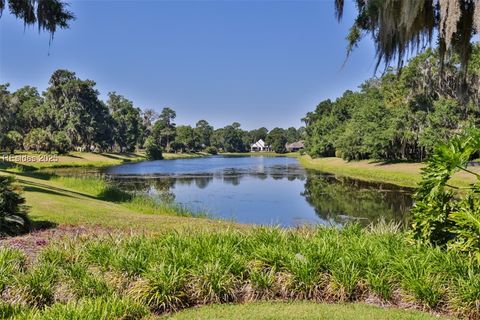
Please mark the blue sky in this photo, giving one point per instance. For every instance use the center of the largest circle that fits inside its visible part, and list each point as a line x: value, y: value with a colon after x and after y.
x: 260, y: 63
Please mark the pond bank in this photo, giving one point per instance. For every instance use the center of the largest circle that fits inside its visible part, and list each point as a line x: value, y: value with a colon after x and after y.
x: 403, y: 174
x: 30, y: 161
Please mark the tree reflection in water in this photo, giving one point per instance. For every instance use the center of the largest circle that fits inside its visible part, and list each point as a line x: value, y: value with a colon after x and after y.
x: 340, y: 199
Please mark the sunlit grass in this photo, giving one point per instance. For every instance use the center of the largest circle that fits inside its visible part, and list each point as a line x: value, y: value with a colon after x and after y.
x: 178, y: 270
x: 402, y: 174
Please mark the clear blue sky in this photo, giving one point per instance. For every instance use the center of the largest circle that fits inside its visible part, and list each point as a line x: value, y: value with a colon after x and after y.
x: 261, y: 63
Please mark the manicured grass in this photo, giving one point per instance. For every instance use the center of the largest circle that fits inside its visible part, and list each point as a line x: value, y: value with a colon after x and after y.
x: 154, y: 275
x: 69, y: 200
x: 301, y: 310
x: 22, y: 161
x: 402, y: 174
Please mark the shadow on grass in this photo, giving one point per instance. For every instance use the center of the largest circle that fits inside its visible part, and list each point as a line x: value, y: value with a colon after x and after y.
x: 387, y: 162
x: 38, y: 187
x: 30, y: 188
x: 40, y: 225
x: 73, y: 156
x: 8, y: 165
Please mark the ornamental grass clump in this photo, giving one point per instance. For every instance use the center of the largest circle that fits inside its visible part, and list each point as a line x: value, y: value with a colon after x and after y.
x: 176, y: 270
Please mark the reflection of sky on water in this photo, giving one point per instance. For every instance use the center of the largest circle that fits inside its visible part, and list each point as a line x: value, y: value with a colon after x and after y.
x: 263, y: 190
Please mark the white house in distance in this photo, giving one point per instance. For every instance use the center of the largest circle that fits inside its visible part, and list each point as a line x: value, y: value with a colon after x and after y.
x: 259, y: 146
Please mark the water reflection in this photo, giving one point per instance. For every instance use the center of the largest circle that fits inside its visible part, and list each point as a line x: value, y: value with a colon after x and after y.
x: 264, y: 191
x: 342, y: 199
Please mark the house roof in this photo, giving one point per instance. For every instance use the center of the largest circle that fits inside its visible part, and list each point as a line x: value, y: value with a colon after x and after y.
x: 259, y: 144
x: 298, y: 144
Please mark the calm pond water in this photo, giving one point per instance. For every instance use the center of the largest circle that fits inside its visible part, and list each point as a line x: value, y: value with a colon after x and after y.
x: 264, y: 190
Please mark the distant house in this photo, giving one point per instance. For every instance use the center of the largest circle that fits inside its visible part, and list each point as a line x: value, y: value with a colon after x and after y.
x: 295, y: 146
x: 260, y: 146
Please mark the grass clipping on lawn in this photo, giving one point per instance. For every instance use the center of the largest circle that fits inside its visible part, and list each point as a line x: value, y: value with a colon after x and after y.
x: 136, y: 276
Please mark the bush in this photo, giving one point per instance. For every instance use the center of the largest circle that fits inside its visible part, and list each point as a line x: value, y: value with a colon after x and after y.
x: 38, y: 140
x: 211, y: 150
x: 152, y: 149
x: 440, y: 216
x: 174, y: 270
x: 61, y: 142
x: 11, y: 141
x: 13, y: 217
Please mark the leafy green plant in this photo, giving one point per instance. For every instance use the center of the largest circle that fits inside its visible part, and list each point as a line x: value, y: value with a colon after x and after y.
x: 13, y: 214
x: 440, y: 215
x: 153, y: 150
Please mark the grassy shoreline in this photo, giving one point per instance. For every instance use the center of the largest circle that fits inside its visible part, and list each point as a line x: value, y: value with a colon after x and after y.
x: 402, y: 174
x: 242, y: 263
x: 29, y: 161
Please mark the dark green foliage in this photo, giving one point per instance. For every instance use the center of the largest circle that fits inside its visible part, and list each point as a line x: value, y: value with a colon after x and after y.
x: 11, y: 141
x: 13, y: 215
x: 203, y: 134
x: 69, y: 115
x: 185, y: 140
x: 72, y: 105
x: 277, y: 140
x: 399, y: 27
x: 48, y: 15
x: 397, y: 116
x: 61, y: 142
x: 211, y: 150
x: 439, y: 216
x: 164, y: 129
x: 38, y: 140
x: 152, y: 149
x: 127, y: 122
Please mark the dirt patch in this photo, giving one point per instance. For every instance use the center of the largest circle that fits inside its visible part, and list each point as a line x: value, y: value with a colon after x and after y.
x: 32, y: 243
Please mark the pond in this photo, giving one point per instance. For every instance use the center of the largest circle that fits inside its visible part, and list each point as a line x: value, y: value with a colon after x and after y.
x: 264, y: 190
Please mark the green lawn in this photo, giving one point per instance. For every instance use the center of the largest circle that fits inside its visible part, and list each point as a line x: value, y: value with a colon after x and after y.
x: 60, y: 201
x: 402, y: 174
x: 23, y: 160
x: 301, y: 310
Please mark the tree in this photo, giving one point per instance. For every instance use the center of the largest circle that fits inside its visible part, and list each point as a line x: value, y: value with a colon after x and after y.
x: 292, y: 135
x: 203, y: 133
x: 185, y: 139
x: 127, y: 122
x: 257, y: 134
x: 38, y: 140
x: 398, y: 27
x: 61, y: 142
x: 398, y: 116
x: 15, y: 141
x: 47, y: 14
x: 72, y: 105
x: 232, y: 137
x: 29, y: 112
x: 276, y: 139
x: 164, y: 128
x: 13, y: 214
x: 152, y: 150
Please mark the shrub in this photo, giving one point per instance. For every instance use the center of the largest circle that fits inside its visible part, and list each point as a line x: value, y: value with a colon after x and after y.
x: 13, y: 216
x: 38, y: 140
x: 61, y: 142
x: 440, y: 216
x: 152, y: 149
x: 211, y: 150
x: 11, y: 141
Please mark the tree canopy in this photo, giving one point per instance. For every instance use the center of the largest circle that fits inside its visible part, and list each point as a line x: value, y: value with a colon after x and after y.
x: 48, y: 15
x: 399, y: 27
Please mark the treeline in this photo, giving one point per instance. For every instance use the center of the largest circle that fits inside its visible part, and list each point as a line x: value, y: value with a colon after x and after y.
x: 400, y: 115
x: 70, y: 115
